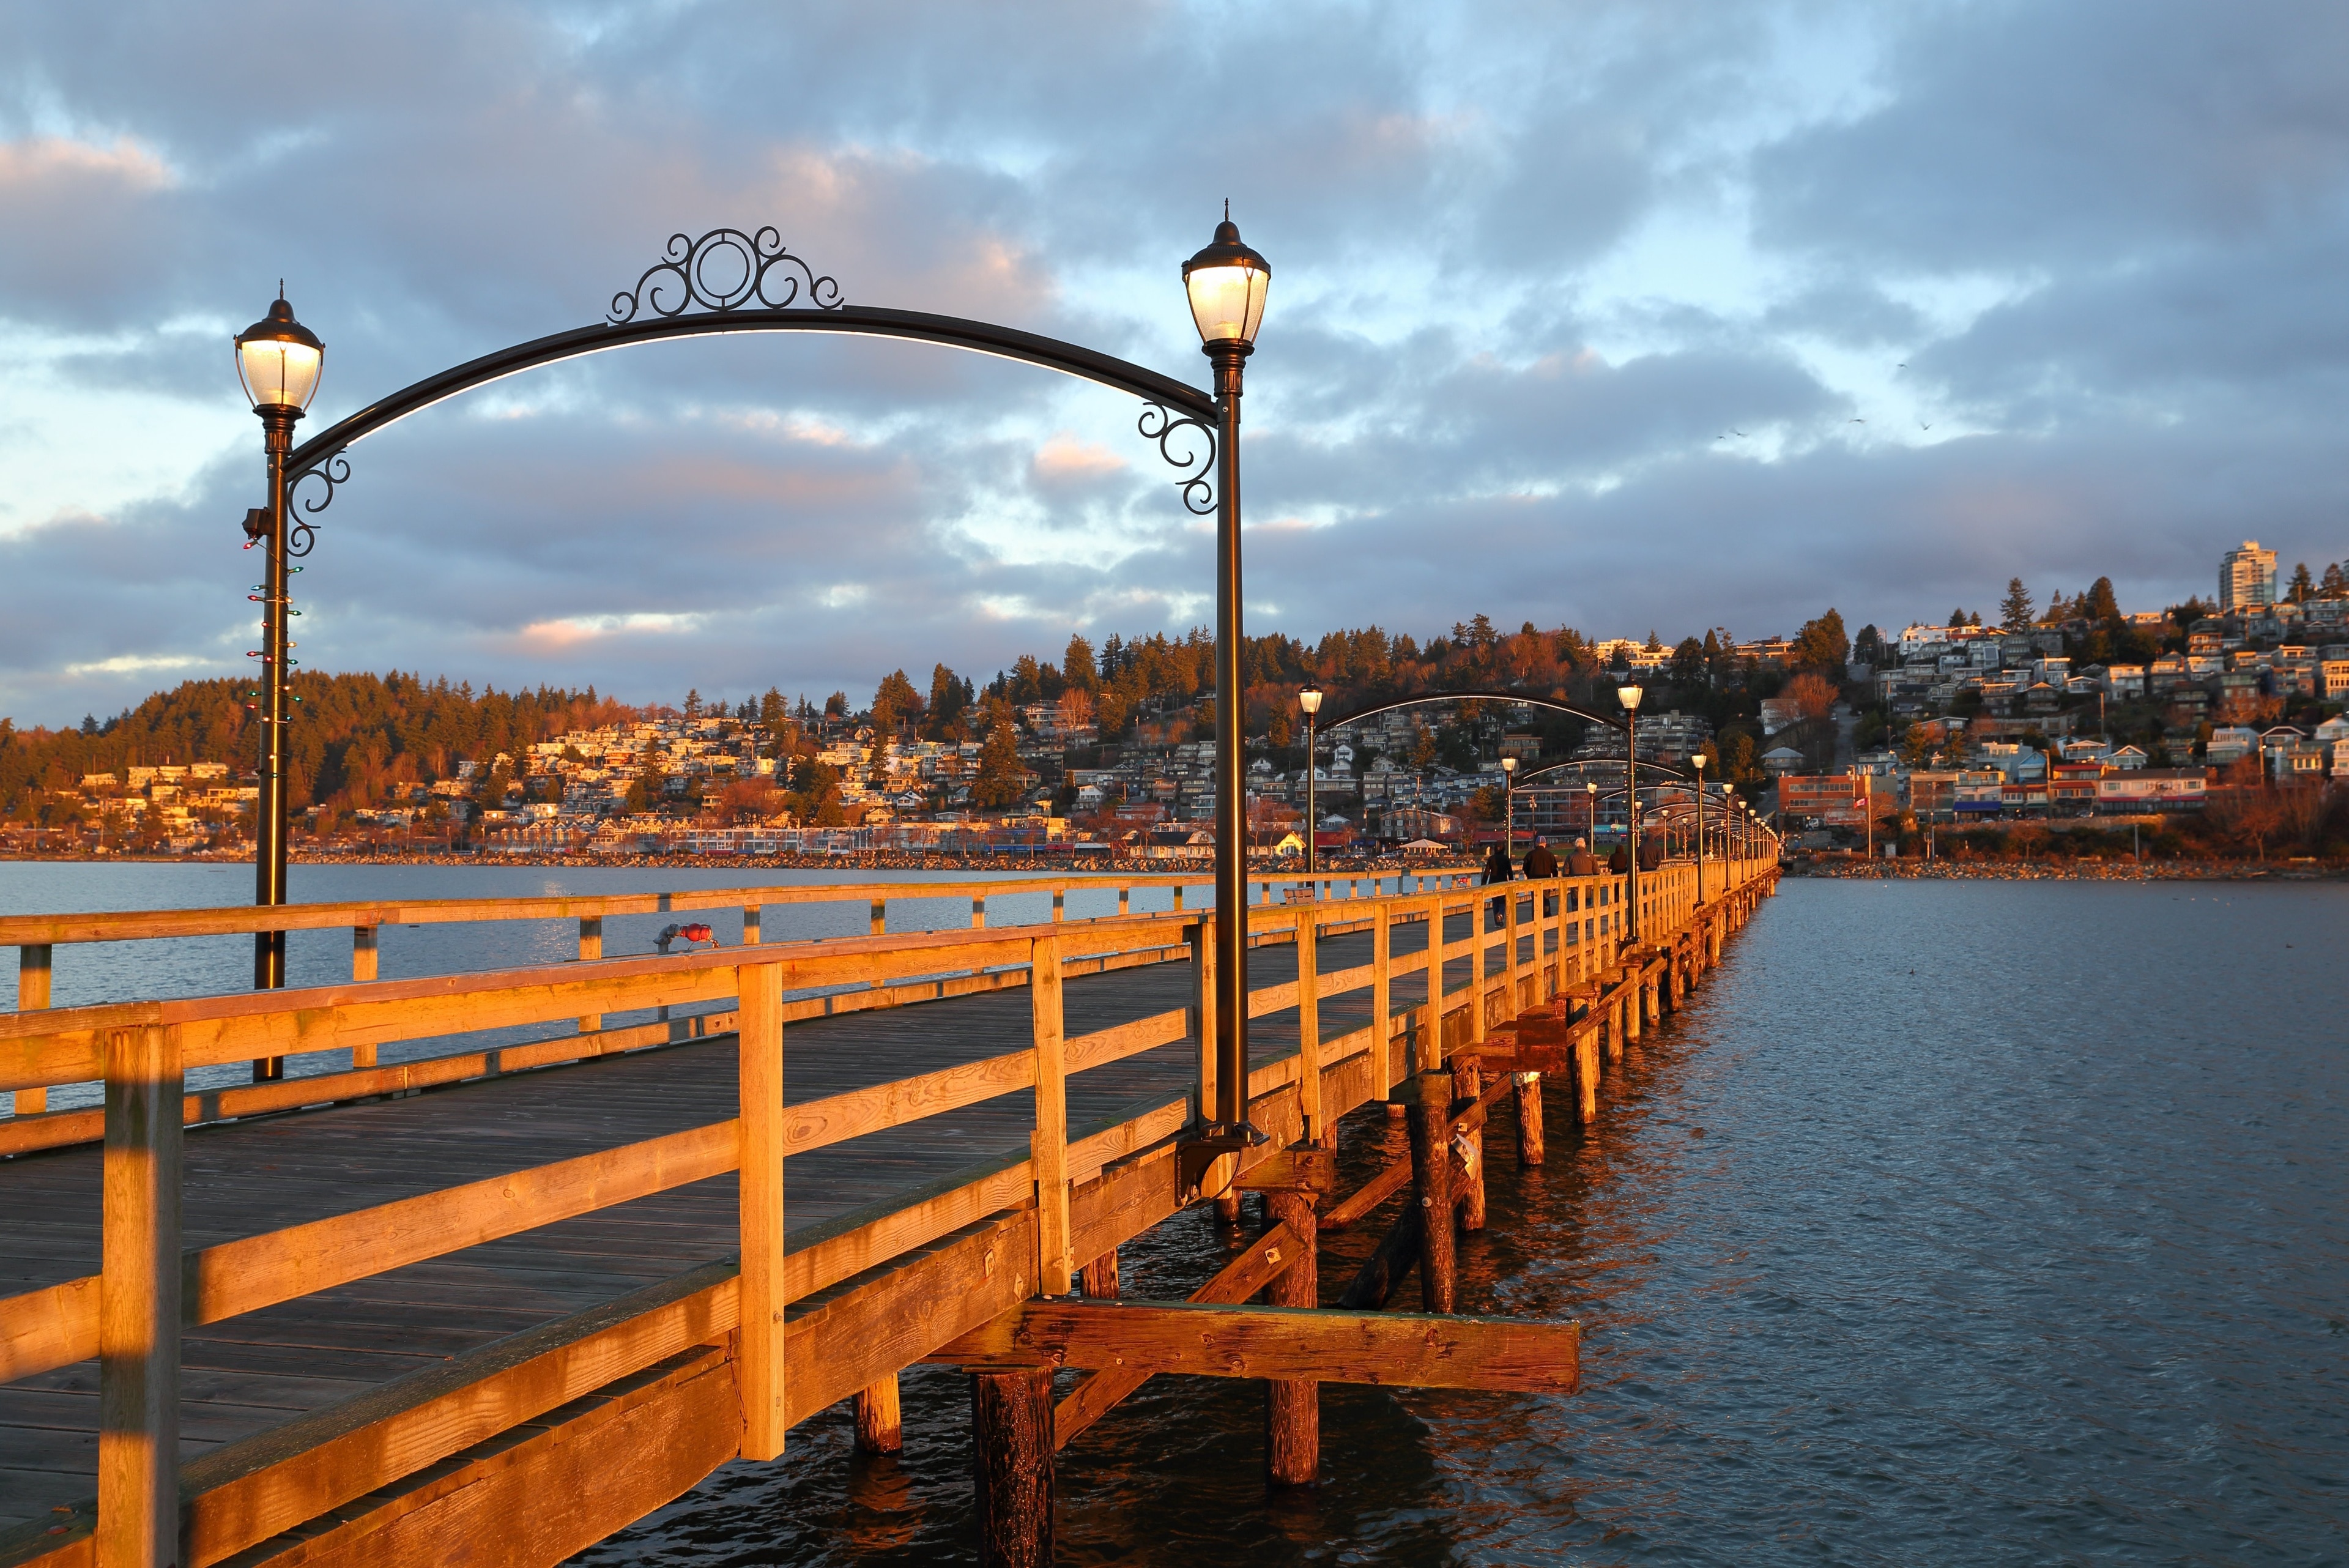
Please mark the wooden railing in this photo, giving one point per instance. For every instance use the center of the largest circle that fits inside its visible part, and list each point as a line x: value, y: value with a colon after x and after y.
x: 131, y: 1314
x: 37, y: 937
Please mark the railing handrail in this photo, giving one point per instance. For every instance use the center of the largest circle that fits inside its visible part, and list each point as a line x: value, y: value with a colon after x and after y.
x: 137, y: 925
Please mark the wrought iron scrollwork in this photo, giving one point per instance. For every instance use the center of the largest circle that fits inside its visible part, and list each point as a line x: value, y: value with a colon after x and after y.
x: 704, y: 272
x: 1159, y: 424
x: 332, y: 470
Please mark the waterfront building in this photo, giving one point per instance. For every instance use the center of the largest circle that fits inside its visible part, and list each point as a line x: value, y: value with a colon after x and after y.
x: 2247, y: 576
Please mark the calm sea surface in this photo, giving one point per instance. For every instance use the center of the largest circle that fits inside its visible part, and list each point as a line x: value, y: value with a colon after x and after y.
x: 1953, y: 1222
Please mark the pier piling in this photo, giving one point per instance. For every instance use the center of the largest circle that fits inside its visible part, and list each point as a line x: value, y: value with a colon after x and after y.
x: 1011, y: 1464
x: 1292, y: 1406
x: 1429, y: 1117
x: 1529, y: 1118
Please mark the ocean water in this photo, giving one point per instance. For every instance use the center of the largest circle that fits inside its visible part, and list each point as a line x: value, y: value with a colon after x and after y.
x: 84, y: 973
x: 1952, y: 1223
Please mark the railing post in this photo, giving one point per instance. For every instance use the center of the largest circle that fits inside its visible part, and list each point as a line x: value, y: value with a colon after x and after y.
x: 751, y: 924
x: 1509, y: 968
x: 1382, y: 1000
x: 979, y: 913
x: 1308, y: 1031
x: 880, y: 916
x: 1479, y: 933
x: 32, y: 996
x: 591, y: 947
x: 1048, y: 1146
x: 1203, y: 1011
x: 363, y: 970
x: 1059, y: 894
x: 760, y: 1064
x: 1430, y: 1048
x: 1125, y: 895
x: 138, y: 1304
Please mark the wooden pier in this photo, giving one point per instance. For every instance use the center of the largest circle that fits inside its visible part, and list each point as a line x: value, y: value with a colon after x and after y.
x: 499, y: 1302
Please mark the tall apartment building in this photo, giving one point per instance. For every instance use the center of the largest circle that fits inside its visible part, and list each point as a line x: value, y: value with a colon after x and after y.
x: 2246, y: 578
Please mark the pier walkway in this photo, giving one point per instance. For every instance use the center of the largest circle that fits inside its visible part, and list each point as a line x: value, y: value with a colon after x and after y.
x: 498, y: 1294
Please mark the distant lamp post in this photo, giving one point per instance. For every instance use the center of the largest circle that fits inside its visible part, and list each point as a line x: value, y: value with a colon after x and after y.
x: 1697, y: 761
x: 1225, y: 283
x: 1309, y: 699
x: 1509, y: 806
x: 278, y: 360
x: 1590, y: 811
x: 1630, y: 697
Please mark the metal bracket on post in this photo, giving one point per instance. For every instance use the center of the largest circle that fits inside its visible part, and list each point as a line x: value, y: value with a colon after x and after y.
x: 1196, y: 1155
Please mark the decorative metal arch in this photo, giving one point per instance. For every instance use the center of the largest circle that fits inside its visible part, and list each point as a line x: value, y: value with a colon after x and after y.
x: 694, y: 292
x: 1517, y: 697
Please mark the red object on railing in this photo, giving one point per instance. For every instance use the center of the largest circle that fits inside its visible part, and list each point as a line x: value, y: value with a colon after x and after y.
x: 696, y: 932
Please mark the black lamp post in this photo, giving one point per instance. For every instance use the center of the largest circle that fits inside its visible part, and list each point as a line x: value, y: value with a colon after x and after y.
x: 278, y: 360
x: 1697, y: 761
x: 1590, y: 817
x: 1630, y: 697
x: 1509, y: 807
x: 1309, y: 699
x: 1227, y: 282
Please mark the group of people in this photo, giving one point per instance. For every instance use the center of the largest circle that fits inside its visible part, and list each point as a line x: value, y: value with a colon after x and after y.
x: 1541, y: 864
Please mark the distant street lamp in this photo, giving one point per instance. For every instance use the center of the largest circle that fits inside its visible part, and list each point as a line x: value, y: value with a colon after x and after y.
x: 1309, y: 699
x: 1508, y: 807
x: 278, y: 360
x: 1630, y: 697
x: 1590, y: 813
x: 1697, y: 761
x: 1226, y: 283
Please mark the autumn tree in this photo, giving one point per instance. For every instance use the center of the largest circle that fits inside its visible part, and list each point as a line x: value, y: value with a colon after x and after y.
x: 1812, y: 695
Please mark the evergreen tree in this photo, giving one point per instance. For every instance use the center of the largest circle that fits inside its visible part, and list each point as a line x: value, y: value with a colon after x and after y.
x: 2303, y: 587
x: 1001, y: 779
x: 1077, y: 667
x: 1956, y: 617
x: 2014, y: 611
x: 2102, y: 603
x: 1823, y: 646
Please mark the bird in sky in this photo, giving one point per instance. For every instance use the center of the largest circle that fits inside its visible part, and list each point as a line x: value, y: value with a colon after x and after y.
x: 1856, y: 422
x: 1923, y: 426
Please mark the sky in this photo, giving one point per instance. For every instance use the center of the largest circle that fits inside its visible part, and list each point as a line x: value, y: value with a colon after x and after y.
x: 1626, y: 316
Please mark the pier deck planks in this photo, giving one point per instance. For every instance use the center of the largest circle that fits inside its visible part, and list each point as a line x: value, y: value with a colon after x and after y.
x: 243, y: 1177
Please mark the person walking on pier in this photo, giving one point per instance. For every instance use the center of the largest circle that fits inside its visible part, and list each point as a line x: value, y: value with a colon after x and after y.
x: 1581, y: 862
x: 1498, y: 867
x: 1541, y: 866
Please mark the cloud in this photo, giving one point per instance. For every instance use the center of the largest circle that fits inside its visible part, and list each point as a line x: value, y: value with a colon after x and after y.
x: 1574, y: 311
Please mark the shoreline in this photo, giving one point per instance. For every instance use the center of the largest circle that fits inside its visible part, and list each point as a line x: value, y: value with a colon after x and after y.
x: 867, y: 860
x: 2067, y: 871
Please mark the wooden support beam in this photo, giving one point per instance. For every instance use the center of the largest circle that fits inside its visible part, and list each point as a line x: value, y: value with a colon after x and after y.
x: 1197, y: 1338
x: 1384, y: 1269
x: 1292, y: 1406
x: 1373, y: 1193
x: 1304, y: 1168
x: 139, y: 1305
x: 1098, y: 1279
x: 1011, y: 1466
x: 1265, y: 1260
x: 761, y: 1066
